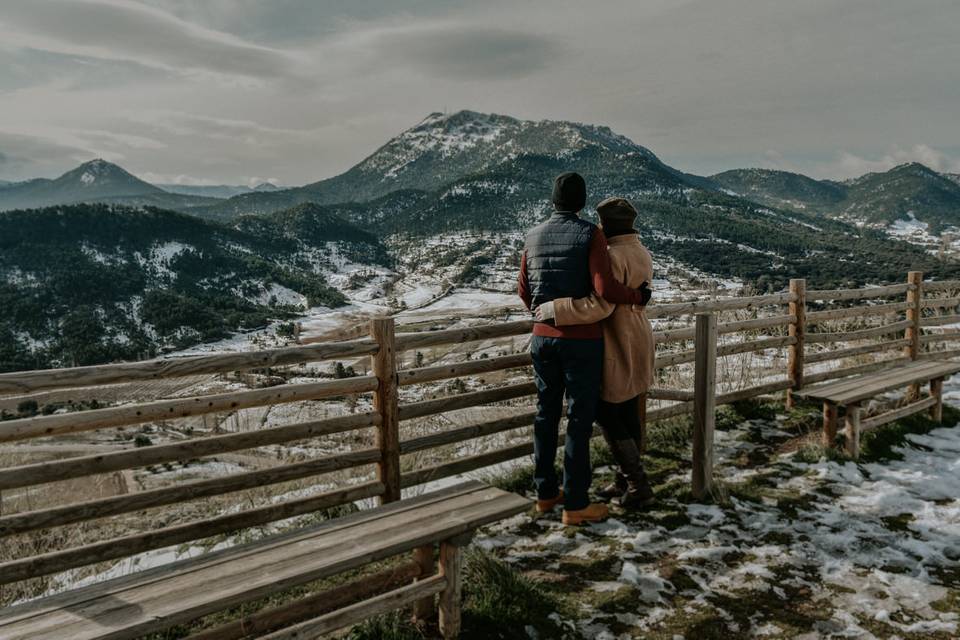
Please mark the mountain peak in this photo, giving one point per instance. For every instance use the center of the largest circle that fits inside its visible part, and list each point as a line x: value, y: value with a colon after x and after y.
x: 469, y: 141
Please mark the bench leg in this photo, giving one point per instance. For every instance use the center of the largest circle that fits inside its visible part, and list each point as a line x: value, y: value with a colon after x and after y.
x: 852, y: 430
x: 451, y: 565
x: 829, y: 424
x: 423, y: 556
x: 936, y: 390
x: 913, y: 392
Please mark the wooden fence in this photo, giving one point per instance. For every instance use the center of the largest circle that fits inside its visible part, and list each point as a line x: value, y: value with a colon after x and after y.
x: 775, y: 322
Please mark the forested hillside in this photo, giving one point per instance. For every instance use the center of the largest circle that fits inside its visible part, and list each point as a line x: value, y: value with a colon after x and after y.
x: 92, y: 283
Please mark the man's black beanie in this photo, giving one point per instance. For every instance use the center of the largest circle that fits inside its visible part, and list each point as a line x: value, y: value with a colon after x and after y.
x: 569, y: 192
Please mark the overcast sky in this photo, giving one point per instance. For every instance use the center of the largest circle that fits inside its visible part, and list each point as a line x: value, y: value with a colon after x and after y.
x: 238, y: 91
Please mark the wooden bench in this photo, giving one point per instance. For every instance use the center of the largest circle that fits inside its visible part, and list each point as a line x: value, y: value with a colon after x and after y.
x: 850, y: 392
x: 158, y: 598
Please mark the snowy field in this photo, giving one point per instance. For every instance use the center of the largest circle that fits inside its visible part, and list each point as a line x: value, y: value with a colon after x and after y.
x: 793, y: 549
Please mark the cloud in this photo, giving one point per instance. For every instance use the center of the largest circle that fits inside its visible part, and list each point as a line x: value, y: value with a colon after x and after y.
x: 125, y: 30
x: 464, y: 51
x: 26, y: 156
x: 849, y: 165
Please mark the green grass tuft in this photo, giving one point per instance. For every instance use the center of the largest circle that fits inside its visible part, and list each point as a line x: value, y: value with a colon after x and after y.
x: 517, y: 480
x: 500, y: 602
x: 879, y: 444
x: 395, y: 625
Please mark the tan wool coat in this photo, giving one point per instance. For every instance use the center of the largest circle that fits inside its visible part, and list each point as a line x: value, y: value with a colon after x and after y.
x: 628, y: 347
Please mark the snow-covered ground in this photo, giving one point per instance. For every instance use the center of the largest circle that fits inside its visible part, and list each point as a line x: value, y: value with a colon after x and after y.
x: 824, y: 549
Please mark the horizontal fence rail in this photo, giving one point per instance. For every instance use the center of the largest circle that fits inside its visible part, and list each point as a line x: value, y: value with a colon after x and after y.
x: 763, y: 324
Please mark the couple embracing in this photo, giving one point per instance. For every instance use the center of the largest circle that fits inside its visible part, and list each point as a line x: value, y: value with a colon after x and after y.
x: 592, y: 343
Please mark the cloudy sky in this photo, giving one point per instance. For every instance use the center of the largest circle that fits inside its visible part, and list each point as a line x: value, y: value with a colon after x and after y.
x: 238, y: 91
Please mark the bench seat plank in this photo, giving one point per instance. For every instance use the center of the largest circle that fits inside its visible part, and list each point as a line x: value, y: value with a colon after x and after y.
x: 874, y: 388
x: 837, y: 386
x: 864, y: 387
x: 131, y: 606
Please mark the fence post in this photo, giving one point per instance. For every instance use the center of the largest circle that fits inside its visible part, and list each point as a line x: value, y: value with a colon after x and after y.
x: 386, y: 403
x: 797, y: 329
x: 704, y: 403
x: 914, y: 299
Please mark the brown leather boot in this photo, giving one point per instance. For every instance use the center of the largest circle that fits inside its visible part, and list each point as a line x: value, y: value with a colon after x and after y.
x: 547, y: 505
x: 638, y: 493
x: 593, y: 512
x: 615, y: 489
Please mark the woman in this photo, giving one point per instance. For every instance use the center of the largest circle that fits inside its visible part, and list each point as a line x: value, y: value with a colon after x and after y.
x: 628, y: 350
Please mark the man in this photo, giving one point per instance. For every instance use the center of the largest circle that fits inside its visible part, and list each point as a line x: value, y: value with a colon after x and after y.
x: 567, y: 257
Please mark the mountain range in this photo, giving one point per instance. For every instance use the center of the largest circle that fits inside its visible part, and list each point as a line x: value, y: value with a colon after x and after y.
x: 907, y: 191
x: 93, y: 181
x: 465, y: 184
x: 222, y: 191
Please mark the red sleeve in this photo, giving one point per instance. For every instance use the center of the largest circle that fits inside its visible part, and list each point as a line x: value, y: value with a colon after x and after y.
x: 523, y: 288
x: 606, y: 286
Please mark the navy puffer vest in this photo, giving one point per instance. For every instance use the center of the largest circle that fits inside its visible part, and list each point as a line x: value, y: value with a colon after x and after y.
x: 558, y: 258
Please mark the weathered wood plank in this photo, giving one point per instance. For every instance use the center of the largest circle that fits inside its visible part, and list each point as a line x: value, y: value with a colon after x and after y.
x: 914, y: 299
x: 896, y: 414
x: 127, y: 503
x: 862, y: 311
x: 687, y: 333
x: 445, y: 371
x: 462, y: 434
x: 939, y: 303
x: 56, y: 470
x: 40, y: 380
x: 941, y: 285
x: 871, y: 389
x: 942, y: 336
x: 866, y: 387
x: 196, y: 589
x: 905, y: 369
x: 851, y: 428
x: 704, y: 405
x: 465, y: 400
x: 423, y: 557
x: 58, y: 424
x: 936, y: 392
x: 843, y: 336
x: 470, y: 463
x: 838, y: 354
x: 833, y: 374
x: 797, y: 330
x: 389, y: 601
x: 724, y: 304
x: 334, y: 528
x: 937, y: 321
x: 56, y: 561
x: 682, y: 357
x: 409, y: 341
x: 386, y: 402
x: 262, y: 622
x: 660, y: 393
x: 857, y: 294
x: 451, y: 569
x: 829, y: 424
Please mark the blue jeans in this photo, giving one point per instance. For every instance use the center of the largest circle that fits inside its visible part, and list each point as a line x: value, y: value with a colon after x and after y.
x: 572, y: 367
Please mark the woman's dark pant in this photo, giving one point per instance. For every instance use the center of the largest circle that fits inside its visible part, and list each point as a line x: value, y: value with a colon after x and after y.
x: 572, y: 367
x: 620, y: 420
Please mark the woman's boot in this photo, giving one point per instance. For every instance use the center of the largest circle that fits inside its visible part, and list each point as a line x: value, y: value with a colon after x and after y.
x: 615, y: 489
x: 619, y: 485
x: 639, y: 493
